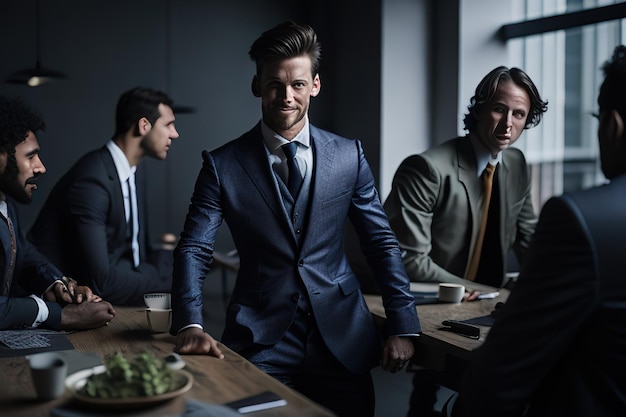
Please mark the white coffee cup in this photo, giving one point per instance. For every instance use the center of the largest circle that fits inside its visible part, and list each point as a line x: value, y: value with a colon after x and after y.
x: 159, y: 319
x: 451, y: 293
x: 160, y: 300
x: 48, y: 371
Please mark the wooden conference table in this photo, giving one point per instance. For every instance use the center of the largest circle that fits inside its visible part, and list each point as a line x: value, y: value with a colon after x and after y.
x: 215, y: 381
x: 443, y: 350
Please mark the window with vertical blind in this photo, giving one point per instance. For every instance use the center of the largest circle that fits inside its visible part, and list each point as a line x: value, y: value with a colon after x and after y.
x: 565, y: 63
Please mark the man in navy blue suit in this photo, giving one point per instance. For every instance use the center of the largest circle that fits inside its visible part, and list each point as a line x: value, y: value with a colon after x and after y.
x: 558, y: 345
x: 297, y: 310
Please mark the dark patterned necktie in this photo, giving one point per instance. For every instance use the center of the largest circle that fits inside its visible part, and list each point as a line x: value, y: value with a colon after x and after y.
x: 294, y: 181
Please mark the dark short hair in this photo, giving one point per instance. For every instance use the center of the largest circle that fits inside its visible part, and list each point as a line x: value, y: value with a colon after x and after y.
x: 487, y: 88
x: 137, y: 103
x: 613, y: 89
x: 286, y: 40
x: 16, y: 120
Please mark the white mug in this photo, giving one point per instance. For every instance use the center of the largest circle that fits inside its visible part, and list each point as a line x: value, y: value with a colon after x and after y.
x: 451, y: 293
x: 160, y: 300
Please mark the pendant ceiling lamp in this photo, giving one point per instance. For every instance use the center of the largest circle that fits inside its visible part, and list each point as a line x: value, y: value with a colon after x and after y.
x: 38, y: 75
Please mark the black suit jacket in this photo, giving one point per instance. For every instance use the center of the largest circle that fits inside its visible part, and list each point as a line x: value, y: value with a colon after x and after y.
x: 558, y: 346
x: 33, y: 274
x: 82, y: 229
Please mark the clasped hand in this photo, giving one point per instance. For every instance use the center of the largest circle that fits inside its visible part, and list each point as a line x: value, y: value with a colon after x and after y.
x: 67, y: 290
x: 83, y: 309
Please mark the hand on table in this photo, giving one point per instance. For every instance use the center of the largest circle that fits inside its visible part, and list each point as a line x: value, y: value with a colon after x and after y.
x: 397, y: 352
x: 196, y: 341
x: 87, y: 315
x: 471, y: 295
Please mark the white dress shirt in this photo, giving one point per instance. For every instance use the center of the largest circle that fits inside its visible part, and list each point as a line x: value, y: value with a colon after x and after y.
x: 126, y: 174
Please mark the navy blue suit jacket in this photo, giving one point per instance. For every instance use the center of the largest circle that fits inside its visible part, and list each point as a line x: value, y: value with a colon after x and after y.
x: 558, y: 345
x: 33, y: 274
x: 237, y: 184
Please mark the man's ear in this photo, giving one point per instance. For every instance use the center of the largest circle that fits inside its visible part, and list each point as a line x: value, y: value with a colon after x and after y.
x: 317, y: 85
x: 4, y: 156
x: 616, y: 126
x: 256, y: 88
x: 143, y: 126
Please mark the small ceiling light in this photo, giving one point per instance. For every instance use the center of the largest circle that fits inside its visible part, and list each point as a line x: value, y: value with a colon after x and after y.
x: 38, y: 75
x: 34, y: 77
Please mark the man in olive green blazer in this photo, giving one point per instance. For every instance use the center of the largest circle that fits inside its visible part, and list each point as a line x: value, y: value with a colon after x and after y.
x: 435, y: 205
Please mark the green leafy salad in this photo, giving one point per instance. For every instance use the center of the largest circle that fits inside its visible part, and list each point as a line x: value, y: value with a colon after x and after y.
x: 140, y: 376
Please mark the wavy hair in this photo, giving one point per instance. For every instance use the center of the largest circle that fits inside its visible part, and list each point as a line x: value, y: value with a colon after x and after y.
x: 487, y: 88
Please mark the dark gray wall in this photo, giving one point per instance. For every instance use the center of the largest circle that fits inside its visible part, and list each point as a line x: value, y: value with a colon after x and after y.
x: 196, y: 51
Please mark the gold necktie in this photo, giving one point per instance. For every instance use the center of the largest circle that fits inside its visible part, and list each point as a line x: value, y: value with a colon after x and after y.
x: 472, y: 266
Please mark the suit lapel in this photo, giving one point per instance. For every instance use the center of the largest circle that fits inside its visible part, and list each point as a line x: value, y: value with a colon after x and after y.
x: 252, y: 157
x: 116, y: 194
x: 324, y: 151
x: 323, y: 168
x: 504, y: 196
x: 5, y: 237
x: 467, y: 176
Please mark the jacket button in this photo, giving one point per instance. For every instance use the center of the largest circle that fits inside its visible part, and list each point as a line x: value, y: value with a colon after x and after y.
x: 294, y: 297
x: 301, y: 263
x: 298, y: 231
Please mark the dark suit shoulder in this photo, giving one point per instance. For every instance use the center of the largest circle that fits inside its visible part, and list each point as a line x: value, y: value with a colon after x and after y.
x: 247, y: 140
x: 607, y: 201
x: 93, y: 161
x: 322, y: 134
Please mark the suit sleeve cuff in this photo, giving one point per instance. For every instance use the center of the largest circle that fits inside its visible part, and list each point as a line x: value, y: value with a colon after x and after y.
x: 189, y: 326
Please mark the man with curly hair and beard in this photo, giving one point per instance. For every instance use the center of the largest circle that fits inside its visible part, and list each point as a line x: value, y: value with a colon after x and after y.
x: 33, y: 292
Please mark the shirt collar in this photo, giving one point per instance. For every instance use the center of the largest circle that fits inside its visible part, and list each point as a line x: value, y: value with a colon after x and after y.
x: 123, y: 168
x: 273, y: 140
x: 483, y: 156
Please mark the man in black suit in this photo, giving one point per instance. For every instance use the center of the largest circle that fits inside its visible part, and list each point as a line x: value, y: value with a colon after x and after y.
x: 558, y: 345
x: 33, y: 292
x: 93, y: 224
